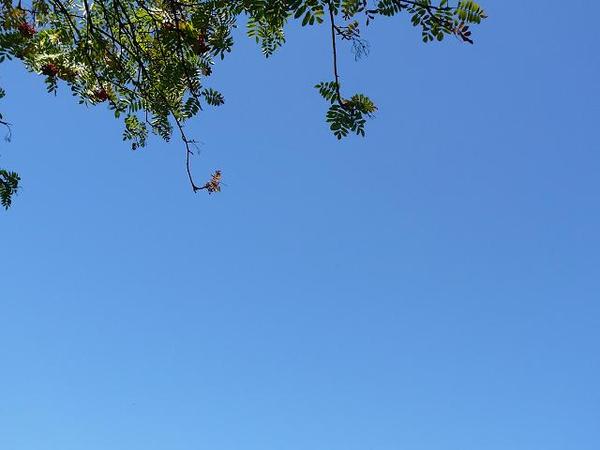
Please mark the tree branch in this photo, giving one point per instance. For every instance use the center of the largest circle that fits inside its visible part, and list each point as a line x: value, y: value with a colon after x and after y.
x: 334, y: 51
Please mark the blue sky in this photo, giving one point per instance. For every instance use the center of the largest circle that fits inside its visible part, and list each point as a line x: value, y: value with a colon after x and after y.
x: 434, y: 286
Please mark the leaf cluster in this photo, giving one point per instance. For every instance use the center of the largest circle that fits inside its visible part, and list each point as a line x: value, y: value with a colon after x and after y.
x: 150, y: 61
x: 9, y: 185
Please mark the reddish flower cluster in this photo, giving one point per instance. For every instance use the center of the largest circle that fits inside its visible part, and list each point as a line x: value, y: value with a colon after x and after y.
x: 100, y: 95
x: 50, y: 69
x: 200, y: 45
x: 26, y: 29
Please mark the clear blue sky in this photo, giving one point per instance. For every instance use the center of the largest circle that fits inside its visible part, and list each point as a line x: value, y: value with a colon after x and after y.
x: 434, y: 286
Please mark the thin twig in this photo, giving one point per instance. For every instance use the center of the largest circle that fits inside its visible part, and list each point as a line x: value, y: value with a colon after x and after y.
x: 334, y: 51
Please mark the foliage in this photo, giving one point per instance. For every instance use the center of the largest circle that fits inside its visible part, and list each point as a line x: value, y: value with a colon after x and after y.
x: 9, y: 183
x: 150, y: 61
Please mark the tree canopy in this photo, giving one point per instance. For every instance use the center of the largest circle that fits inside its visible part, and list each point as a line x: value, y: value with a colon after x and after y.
x: 150, y: 61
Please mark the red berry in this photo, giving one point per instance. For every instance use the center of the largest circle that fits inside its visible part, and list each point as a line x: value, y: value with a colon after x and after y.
x: 50, y: 69
x: 100, y: 95
x: 200, y: 45
x: 26, y: 29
